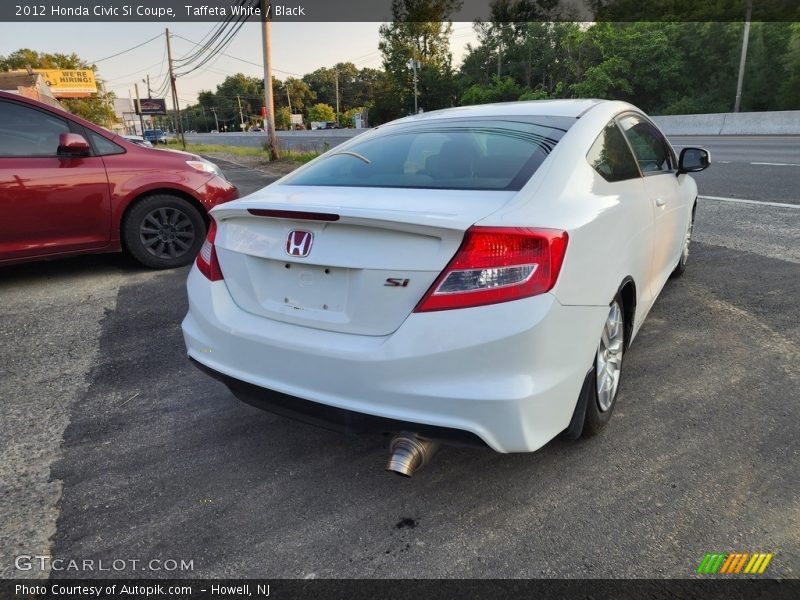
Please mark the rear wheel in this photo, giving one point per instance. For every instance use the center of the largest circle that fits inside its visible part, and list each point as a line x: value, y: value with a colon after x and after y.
x: 607, y: 370
x: 163, y: 231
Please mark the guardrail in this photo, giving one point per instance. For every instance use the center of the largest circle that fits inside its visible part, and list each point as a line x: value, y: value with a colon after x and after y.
x: 783, y: 122
x: 779, y: 122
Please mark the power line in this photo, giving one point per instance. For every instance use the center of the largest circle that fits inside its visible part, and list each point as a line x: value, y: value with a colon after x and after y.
x: 239, y: 59
x: 204, y: 44
x: 235, y: 27
x: 123, y: 77
x: 124, y: 51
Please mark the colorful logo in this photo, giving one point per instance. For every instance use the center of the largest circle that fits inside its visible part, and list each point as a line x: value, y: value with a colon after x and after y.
x: 734, y: 563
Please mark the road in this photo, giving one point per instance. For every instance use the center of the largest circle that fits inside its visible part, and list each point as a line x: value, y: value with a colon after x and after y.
x: 115, y: 447
x: 763, y: 168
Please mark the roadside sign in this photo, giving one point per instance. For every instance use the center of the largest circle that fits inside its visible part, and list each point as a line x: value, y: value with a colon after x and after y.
x: 70, y: 83
x: 152, y: 106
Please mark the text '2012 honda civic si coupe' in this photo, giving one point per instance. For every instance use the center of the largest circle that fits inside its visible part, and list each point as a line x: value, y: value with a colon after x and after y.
x: 472, y: 275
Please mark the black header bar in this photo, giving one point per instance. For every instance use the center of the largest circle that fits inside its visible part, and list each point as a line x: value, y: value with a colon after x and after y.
x: 173, y: 11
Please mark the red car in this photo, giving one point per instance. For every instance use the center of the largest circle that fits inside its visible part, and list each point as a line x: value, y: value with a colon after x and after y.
x: 70, y: 187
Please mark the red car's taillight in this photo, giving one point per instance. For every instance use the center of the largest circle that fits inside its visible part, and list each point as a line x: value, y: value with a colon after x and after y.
x: 207, y: 261
x: 498, y: 264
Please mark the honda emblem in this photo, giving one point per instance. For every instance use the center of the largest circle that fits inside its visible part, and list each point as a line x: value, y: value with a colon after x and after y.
x: 299, y: 243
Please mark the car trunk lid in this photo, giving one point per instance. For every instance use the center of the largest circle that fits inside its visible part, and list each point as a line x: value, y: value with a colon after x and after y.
x: 372, y: 255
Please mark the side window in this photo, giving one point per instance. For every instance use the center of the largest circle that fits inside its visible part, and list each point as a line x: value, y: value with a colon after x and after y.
x: 651, y: 149
x: 102, y: 146
x: 611, y: 157
x: 26, y: 131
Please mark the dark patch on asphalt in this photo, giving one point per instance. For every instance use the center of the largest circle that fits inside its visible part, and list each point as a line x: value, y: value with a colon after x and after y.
x: 406, y: 522
x: 161, y: 462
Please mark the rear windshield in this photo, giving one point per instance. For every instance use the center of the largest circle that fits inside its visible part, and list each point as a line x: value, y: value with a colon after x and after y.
x: 496, y: 154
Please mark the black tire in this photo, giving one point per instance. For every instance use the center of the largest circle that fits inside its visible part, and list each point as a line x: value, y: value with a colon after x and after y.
x: 163, y: 231
x: 680, y: 268
x: 599, y: 414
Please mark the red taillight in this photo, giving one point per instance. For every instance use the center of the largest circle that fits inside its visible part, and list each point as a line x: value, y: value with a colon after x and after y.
x: 207, y: 261
x: 498, y: 264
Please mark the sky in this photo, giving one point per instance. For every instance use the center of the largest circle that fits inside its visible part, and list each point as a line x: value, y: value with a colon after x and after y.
x: 297, y: 49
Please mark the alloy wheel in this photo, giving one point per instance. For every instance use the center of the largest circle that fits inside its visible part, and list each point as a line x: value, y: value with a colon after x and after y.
x: 167, y: 232
x: 609, y: 358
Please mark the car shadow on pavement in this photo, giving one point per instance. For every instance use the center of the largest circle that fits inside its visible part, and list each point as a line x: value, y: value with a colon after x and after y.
x: 72, y: 267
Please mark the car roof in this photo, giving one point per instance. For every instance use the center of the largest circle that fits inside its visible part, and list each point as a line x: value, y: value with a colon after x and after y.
x: 538, y: 108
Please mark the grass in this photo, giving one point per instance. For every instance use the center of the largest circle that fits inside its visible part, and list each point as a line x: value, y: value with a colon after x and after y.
x: 298, y: 156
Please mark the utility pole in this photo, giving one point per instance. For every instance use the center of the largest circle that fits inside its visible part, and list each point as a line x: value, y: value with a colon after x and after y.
x: 241, y: 116
x: 289, y: 100
x: 139, y: 106
x: 272, y: 142
x: 414, y: 63
x: 336, y: 71
x: 175, y: 104
x: 737, y: 103
x: 205, y: 124
x: 216, y: 121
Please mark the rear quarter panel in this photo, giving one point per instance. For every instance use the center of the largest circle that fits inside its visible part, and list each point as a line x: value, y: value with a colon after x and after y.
x: 609, y: 224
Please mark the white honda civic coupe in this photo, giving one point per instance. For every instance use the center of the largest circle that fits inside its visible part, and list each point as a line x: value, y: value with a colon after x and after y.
x: 470, y: 275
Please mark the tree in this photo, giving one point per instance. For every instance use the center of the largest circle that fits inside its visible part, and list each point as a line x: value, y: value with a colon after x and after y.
x: 420, y: 30
x: 300, y: 94
x: 347, y: 118
x: 97, y: 109
x: 321, y: 112
x: 765, y: 71
x: 502, y: 89
x: 283, y: 118
x: 789, y: 92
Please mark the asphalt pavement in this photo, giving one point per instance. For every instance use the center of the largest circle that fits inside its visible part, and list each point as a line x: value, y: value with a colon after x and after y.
x: 115, y: 447
x: 760, y: 168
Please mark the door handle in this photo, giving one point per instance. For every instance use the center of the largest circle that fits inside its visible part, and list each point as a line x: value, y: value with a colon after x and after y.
x: 660, y: 202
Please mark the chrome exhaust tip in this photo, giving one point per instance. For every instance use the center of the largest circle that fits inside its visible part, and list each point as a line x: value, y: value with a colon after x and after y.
x: 409, y: 453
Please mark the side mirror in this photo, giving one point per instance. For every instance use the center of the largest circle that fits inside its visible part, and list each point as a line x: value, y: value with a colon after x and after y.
x: 693, y: 160
x: 73, y: 145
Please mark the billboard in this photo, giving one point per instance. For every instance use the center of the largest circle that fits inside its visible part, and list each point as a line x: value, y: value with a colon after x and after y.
x: 70, y: 83
x: 152, y: 106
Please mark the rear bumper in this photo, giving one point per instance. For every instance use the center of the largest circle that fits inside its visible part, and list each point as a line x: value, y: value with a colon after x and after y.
x: 331, y: 417
x: 509, y: 374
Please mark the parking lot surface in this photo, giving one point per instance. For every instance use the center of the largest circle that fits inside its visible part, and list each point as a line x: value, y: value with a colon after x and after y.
x: 115, y: 447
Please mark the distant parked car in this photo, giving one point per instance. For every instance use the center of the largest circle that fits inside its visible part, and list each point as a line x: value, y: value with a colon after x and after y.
x: 137, y: 139
x: 155, y: 136
x: 70, y: 187
x: 256, y: 129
